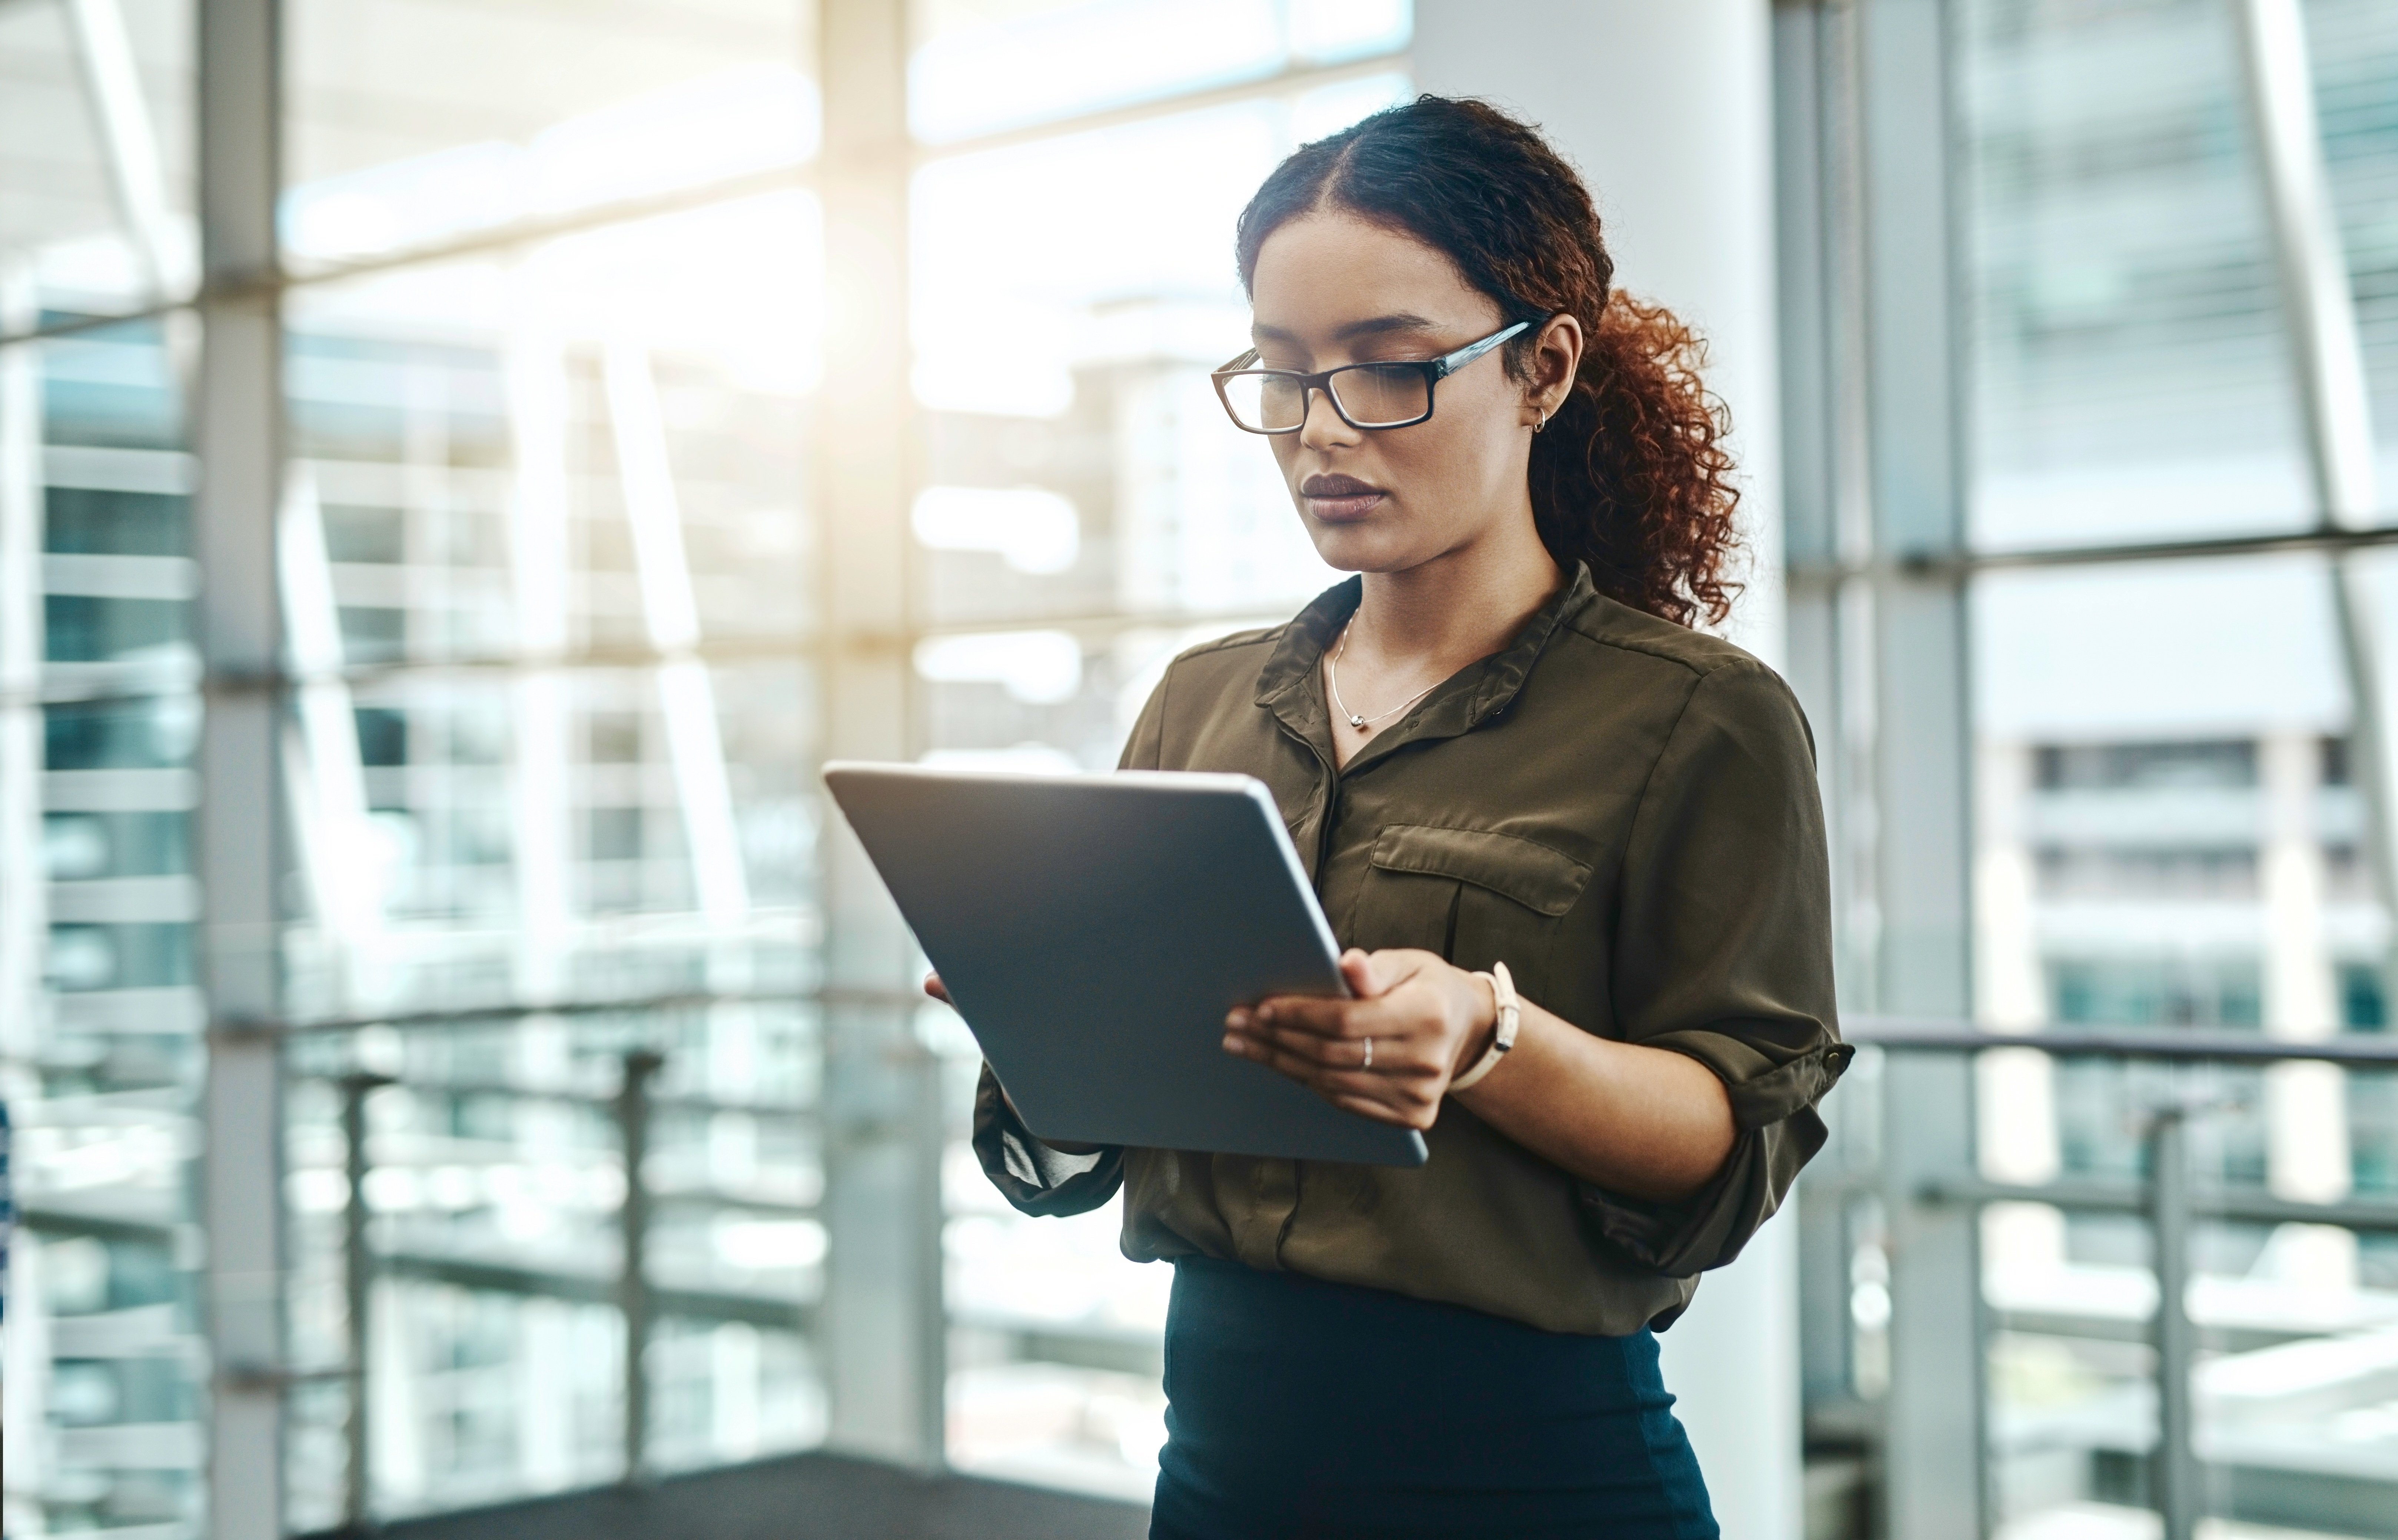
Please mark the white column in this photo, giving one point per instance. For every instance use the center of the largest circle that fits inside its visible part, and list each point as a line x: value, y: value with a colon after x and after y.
x: 1667, y: 111
x: 540, y: 809
x: 2009, y: 991
x: 2014, y: 1125
x: 2301, y: 999
x: 2306, y: 1105
x: 882, y: 1338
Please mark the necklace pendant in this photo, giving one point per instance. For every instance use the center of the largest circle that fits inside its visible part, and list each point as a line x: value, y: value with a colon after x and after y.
x: 1356, y: 720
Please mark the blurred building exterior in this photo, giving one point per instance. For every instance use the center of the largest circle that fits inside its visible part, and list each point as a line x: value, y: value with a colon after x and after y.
x: 2091, y: 315
x: 451, y: 1056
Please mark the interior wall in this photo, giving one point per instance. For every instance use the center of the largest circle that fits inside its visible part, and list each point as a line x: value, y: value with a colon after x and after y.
x: 1667, y: 110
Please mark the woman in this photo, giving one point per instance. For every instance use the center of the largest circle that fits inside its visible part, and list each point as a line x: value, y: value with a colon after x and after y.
x: 1537, y: 806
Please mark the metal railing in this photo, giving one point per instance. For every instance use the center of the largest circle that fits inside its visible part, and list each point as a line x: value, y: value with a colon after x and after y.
x: 631, y: 1108
x: 2170, y: 1198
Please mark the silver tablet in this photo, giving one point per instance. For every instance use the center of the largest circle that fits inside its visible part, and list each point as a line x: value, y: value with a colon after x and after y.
x: 1093, y: 930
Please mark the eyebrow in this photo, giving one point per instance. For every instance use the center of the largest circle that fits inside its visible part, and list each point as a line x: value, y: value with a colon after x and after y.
x: 1403, y: 321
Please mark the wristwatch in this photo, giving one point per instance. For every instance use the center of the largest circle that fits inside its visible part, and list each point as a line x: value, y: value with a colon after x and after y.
x: 1502, y: 990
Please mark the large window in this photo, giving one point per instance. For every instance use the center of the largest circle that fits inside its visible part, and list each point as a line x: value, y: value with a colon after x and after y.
x: 100, y: 1022
x: 552, y: 589
x: 2098, y: 618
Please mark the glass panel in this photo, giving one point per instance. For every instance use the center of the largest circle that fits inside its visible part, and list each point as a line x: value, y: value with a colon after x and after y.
x: 1090, y: 511
x: 2173, y: 839
x: 411, y: 122
x: 548, y: 594
x: 613, y: 415
x: 558, y: 456
x: 1080, y: 463
x: 2130, y: 379
x: 982, y: 66
x: 96, y: 171
x: 495, y: 1203
x: 100, y: 1021
x: 2353, y: 46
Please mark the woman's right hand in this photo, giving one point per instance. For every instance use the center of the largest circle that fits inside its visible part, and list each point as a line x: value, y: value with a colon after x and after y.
x: 934, y: 987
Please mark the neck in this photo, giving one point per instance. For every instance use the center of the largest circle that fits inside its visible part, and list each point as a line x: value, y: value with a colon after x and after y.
x: 1463, y: 604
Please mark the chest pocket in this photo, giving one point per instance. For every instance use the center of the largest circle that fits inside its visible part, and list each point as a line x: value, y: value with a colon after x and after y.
x: 1474, y: 896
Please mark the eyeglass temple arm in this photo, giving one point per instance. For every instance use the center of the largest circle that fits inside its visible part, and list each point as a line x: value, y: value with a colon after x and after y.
x: 1443, y: 367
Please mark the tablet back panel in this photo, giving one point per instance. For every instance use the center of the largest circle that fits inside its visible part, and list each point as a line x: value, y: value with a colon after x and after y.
x: 1093, y: 930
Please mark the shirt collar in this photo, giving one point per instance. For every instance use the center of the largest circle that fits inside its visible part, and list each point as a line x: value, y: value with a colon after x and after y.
x: 1473, y: 695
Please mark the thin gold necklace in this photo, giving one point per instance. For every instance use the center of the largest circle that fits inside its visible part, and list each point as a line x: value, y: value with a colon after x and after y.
x: 1354, y: 720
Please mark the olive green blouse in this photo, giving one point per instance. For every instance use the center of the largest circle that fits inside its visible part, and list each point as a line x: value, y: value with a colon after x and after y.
x: 1622, y: 811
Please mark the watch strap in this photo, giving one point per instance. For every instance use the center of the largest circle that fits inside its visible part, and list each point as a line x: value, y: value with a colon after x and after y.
x: 1510, y: 1014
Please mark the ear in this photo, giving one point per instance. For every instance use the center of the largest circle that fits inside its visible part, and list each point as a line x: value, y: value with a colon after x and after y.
x: 1555, y: 355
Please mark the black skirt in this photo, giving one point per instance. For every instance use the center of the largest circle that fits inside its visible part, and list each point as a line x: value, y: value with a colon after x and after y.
x: 1300, y: 1408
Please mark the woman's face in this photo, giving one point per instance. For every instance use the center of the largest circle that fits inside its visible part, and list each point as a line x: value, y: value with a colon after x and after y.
x: 1331, y: 289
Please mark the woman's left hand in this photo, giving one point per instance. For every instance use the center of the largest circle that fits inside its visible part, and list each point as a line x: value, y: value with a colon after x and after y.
x: 1388, y: 1054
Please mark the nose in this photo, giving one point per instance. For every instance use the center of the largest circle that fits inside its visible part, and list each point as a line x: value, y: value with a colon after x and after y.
x: 1319, y: 426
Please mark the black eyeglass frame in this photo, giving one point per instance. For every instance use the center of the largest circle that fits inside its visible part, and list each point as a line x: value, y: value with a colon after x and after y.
x: 1435, y: 371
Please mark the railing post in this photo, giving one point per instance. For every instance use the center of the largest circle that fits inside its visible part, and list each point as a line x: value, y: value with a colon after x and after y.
x: 632, y: 1280
x: 2177, y: 1474
x: 358, y: 1287
x: 1934, y: 1446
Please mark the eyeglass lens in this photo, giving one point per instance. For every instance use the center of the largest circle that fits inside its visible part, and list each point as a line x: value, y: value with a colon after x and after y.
x: 1369, y: 396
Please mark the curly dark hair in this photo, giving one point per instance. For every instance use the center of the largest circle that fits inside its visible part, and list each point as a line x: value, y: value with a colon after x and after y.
x: 1632, y: 474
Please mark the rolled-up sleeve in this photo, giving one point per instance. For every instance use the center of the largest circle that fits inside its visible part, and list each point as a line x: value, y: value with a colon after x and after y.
x: 1724, y: 952
x: 1030, y: 1175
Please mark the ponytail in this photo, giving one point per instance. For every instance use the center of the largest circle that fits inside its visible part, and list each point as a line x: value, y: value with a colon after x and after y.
x: 1631, y: 475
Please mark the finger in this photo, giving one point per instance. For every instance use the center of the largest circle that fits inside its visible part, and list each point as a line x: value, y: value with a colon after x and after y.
x: 934, y: 987
x: 1338, y: 1053
x: 1398, y: 1100
x: 1394, y: 1054
x: 1364, y: 977
x: 1249, y: 1042
x: 1384, y: 1015
x: 1312, y: 1013
x: 1325, y: 1079
x: 1335, y: 1069
x: 1295, y: 1061
x: 1397, y: 964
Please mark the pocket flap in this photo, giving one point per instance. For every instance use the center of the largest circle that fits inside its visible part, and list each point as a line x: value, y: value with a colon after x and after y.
x: 1531, y: 873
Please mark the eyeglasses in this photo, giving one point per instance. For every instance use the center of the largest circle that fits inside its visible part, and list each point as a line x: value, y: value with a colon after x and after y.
x: 1366, y: 395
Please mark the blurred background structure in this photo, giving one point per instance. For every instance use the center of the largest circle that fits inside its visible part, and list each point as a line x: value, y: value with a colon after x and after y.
x: 464, y: 463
